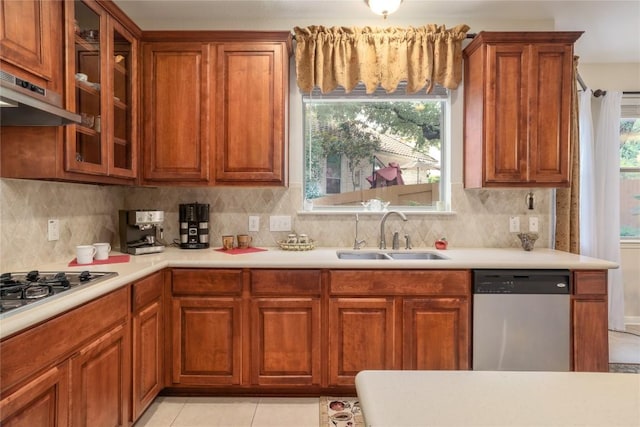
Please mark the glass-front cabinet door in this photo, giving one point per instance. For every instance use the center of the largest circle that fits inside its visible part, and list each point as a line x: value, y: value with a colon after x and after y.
x: 101, y: 62
x: 122, y: 148
x: 86, y: 148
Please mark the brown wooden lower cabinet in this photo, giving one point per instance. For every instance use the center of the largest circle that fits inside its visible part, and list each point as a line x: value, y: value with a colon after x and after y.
x: 361, y: 336
x: 253, y: 330
x: 286, y: 332
x: 589, y: 312
x: 436, y: 333
x: 42, y: 402
x: 73, y: 369
x: 206, y: 343
x: 206, y: 322
x: 100, y: 381
x: 147, y: 342
x: 285, y: 341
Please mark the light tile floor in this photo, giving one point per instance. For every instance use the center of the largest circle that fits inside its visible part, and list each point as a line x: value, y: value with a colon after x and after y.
x: 231, y: 412
x: 624, y: 347
x: 298, y: 412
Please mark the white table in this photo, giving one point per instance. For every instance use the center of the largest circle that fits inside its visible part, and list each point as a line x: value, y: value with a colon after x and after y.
x: 485, y: 398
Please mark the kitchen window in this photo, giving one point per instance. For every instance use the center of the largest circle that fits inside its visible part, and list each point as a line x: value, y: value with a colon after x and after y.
x: 630, y: 168
x: 361, y: 147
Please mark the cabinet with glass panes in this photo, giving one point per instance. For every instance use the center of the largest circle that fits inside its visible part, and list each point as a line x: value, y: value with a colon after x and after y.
x: 101, y: 73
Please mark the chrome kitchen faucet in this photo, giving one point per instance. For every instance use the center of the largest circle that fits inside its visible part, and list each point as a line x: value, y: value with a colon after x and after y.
x: 383, y: 243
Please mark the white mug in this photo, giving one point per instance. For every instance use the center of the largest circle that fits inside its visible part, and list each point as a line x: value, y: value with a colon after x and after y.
x: 102, y: 250
x: 85, y: 254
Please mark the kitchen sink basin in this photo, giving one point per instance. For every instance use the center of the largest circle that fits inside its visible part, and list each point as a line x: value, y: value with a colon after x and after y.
x: 408, y: 255
x: 415, y: 255
x: 362, y: 255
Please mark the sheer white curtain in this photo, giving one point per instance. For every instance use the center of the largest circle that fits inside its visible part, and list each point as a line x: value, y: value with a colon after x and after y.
x: 600, y: 211
x: 588, y: 232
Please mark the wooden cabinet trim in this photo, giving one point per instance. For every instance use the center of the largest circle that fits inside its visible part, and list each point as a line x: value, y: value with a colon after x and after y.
x: 219, y: 37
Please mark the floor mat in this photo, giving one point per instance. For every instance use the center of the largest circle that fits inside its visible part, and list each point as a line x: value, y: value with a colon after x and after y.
x: 340, y: 412
x: 627, y: 368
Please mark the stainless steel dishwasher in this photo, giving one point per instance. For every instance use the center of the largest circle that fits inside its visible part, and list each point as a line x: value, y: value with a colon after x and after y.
x: 521, y: 320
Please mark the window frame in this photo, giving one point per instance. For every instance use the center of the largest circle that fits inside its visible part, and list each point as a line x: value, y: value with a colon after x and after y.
x: 630, y: 108
x: 443, y: 206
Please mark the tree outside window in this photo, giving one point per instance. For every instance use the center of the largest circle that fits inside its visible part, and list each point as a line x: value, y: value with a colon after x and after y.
x: 353, y: 141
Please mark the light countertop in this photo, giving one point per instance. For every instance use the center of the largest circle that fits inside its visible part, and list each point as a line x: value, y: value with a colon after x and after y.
x: 143, y: 265
x: 483, y: 398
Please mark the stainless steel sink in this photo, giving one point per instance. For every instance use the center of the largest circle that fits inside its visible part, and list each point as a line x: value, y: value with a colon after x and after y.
x: 415, y: 255
x: 362, y: 255
x: 408, y: 255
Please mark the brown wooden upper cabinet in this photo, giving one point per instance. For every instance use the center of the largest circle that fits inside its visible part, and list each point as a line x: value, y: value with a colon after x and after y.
x: 86, y: 51
x: 102, y: 59
x: 178, y: 111
x: 31, y: 41
x: 214, y: 108
x: 517, y: 109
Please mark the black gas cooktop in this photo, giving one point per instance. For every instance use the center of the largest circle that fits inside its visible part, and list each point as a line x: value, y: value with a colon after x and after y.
x: 19, y: 290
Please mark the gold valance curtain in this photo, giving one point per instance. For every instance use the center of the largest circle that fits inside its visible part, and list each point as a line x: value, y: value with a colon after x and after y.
x: 341, y: 56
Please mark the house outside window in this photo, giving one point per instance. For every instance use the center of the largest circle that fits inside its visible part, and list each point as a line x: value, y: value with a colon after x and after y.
x: 630, y: 168
x: 360, y: 147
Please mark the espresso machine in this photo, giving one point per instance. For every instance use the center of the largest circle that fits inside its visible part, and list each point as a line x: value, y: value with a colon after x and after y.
x: 194, y: 226
x: 138, y: 231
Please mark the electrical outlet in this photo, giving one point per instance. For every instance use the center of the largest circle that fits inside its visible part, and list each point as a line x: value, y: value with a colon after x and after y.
x: 254, y: 223
x: 280, y: 223
x: 533, y: 224
x: 53, y: 230
x: 514, y: 224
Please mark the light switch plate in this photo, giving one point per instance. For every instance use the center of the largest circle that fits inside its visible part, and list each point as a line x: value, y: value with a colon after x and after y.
x: 254, y: 223
x: 514, y: 224
x: 280, y: 223
x: 533, y: 224
x: 53, y: 230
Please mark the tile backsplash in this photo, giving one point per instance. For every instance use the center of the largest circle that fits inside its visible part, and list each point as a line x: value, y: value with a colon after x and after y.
x: 89, y: 213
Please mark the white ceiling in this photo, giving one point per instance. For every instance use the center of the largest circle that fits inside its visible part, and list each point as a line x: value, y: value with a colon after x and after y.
x: 612, y: 28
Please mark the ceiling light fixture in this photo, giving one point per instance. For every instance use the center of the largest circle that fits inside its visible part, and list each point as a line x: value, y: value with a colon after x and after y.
x: 384, y: 7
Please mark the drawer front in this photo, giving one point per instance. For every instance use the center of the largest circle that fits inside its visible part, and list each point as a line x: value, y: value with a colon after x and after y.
x: 400, y: 282
x: 147, y: 290
x: 207, y: 282
x: 590, y: 282
x: 285, y: 282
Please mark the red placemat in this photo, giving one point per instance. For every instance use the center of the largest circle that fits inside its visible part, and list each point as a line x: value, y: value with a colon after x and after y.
x: 236, y: 251
x: 113, y: 259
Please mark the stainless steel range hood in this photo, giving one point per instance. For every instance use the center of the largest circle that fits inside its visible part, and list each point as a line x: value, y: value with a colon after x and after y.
x: 24, y: 104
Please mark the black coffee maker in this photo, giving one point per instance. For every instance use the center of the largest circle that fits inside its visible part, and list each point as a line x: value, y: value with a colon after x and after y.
x: 194, y: 226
